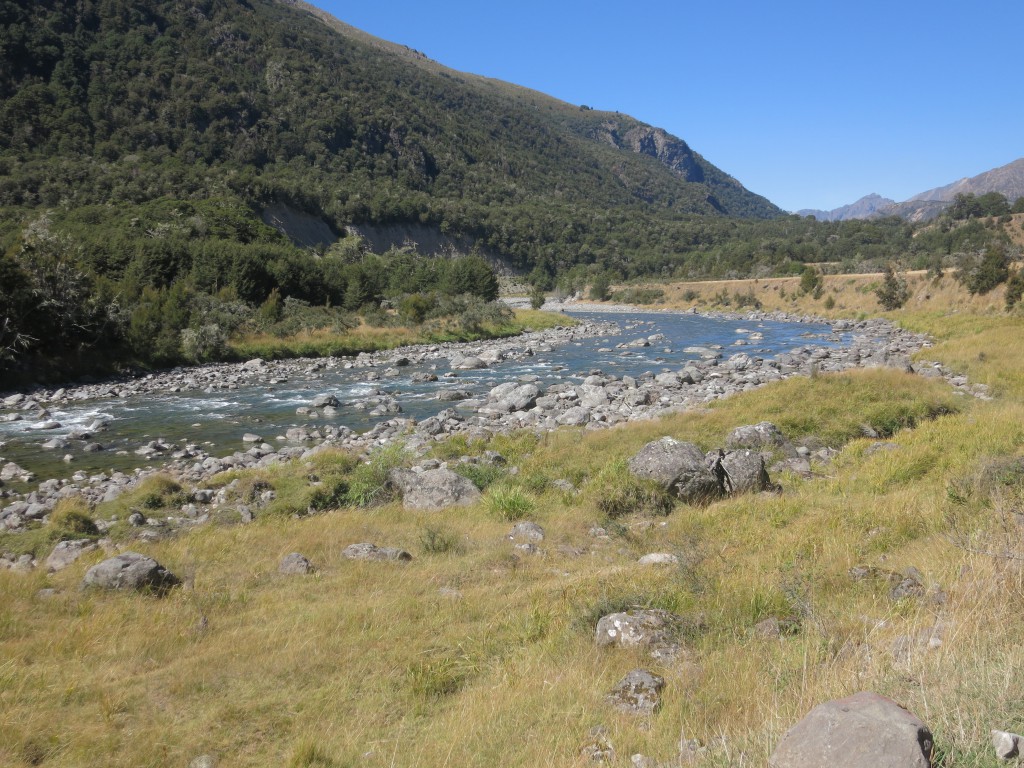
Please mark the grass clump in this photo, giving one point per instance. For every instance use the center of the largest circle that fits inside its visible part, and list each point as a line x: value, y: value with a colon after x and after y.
x: 71, y: 519
x: 509, y: 503
x: 370, y: 482
x: 438, y: 540
x: 616, y: 493
x: 482, y: 475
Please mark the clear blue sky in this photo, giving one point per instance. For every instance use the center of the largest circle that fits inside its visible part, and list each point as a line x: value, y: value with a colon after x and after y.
x: 811, y: 104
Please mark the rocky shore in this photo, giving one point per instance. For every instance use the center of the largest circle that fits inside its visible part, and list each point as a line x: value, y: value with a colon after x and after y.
x: 599, y: 402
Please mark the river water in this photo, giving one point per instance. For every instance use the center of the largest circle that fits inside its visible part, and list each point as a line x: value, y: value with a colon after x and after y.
x: 217, y: 420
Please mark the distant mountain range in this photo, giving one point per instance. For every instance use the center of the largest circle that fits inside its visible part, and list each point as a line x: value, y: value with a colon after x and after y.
x: 1008, y: 180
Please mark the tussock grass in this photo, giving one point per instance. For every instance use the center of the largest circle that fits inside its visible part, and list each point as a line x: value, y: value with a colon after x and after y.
x: 474, y: 654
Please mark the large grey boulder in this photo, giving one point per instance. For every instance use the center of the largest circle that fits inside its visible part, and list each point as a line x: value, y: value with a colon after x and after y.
x: 762, y: 435
x: 638, y: 693
x: 861, y: 731
x: 743, y: 471
x: 678, y: 467
x: 434, y: 489
x: 130, y: 570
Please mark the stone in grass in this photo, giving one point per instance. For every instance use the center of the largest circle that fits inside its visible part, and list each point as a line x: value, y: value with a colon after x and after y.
x: 679, y: 468
x: 654, y: 629
x: 434, y: 490
x: 295, y: 563
x: 365, y: 551
x: 861, y: 731
x: 1006, y: 744
x: 598, y: 747
x: 66, y: 552
x: 743, y: 472
x: 638, y: 693
x: 763, y: 435
x: 130, y: 570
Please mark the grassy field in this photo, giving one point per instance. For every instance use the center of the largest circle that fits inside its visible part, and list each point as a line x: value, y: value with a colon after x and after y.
x: 476, y: 654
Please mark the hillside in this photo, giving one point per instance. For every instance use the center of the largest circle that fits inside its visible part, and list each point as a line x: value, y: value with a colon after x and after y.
x: 276, y: 103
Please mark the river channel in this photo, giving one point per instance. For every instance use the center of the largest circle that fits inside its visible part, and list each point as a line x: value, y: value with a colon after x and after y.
x: 217, y: 419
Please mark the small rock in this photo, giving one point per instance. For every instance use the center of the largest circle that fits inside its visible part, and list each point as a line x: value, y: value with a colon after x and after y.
x: 295, y: 563
x: 598, y: 747
x: 638, y: 693
x: 527, y: 531
x: 659, y: 558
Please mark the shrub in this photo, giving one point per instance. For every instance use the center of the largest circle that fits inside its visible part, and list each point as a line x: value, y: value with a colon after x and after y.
x: 482, y: 475
x: 537, y: 297
x: 809, y: 279
x: 205, y: 343
x: 830, y: 302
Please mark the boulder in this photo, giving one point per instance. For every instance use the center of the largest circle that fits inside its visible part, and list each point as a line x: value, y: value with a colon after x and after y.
x: 861, y: 731
x: 574, y: 417
x: 638, y: 693
x: 678, y: 467
x: 66, y: 552
x: 434, y: 489
x: 762, y: 435
x: 130, y: 570
x: 365, y: 551
x: 527, y: 531
x: 295, y: 563
x: 743, y: 472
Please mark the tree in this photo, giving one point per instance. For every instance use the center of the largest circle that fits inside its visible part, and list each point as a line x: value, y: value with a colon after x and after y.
x: 600, y: 287
x: 537, y: 297
x: 981, y: 276
x: 810, y: 279
x: 893, y: 292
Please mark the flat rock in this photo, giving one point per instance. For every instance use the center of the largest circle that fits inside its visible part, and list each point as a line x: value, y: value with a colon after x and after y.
x: 861, y: 731
x: 66, y: 552
x: 366, y: 551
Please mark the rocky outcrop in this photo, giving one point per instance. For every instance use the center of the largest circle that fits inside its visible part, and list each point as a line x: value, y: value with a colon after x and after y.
x: 366, y: 551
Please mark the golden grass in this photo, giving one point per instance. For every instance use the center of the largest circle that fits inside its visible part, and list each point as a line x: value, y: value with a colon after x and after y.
x: 481, y: 656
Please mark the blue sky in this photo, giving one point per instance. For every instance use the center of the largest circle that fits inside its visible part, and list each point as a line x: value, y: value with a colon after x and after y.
x: 811, y: 104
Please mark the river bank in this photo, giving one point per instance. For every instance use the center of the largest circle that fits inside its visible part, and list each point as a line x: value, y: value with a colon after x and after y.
x: 595, y: 400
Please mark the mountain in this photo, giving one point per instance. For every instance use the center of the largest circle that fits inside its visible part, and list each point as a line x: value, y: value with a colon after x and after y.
x: 301, y: 117
x: 862, y: 209
x: 1007, y: 180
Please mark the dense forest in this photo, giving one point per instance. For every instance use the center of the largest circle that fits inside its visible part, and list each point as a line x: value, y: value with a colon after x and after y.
x: 140, y: 144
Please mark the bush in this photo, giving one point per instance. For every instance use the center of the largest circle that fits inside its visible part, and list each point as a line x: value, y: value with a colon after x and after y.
x: 537, y: 297
x: 205, y: 343
x: 809, y: 279
x: 482, y: 475
x: 980, y: 276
